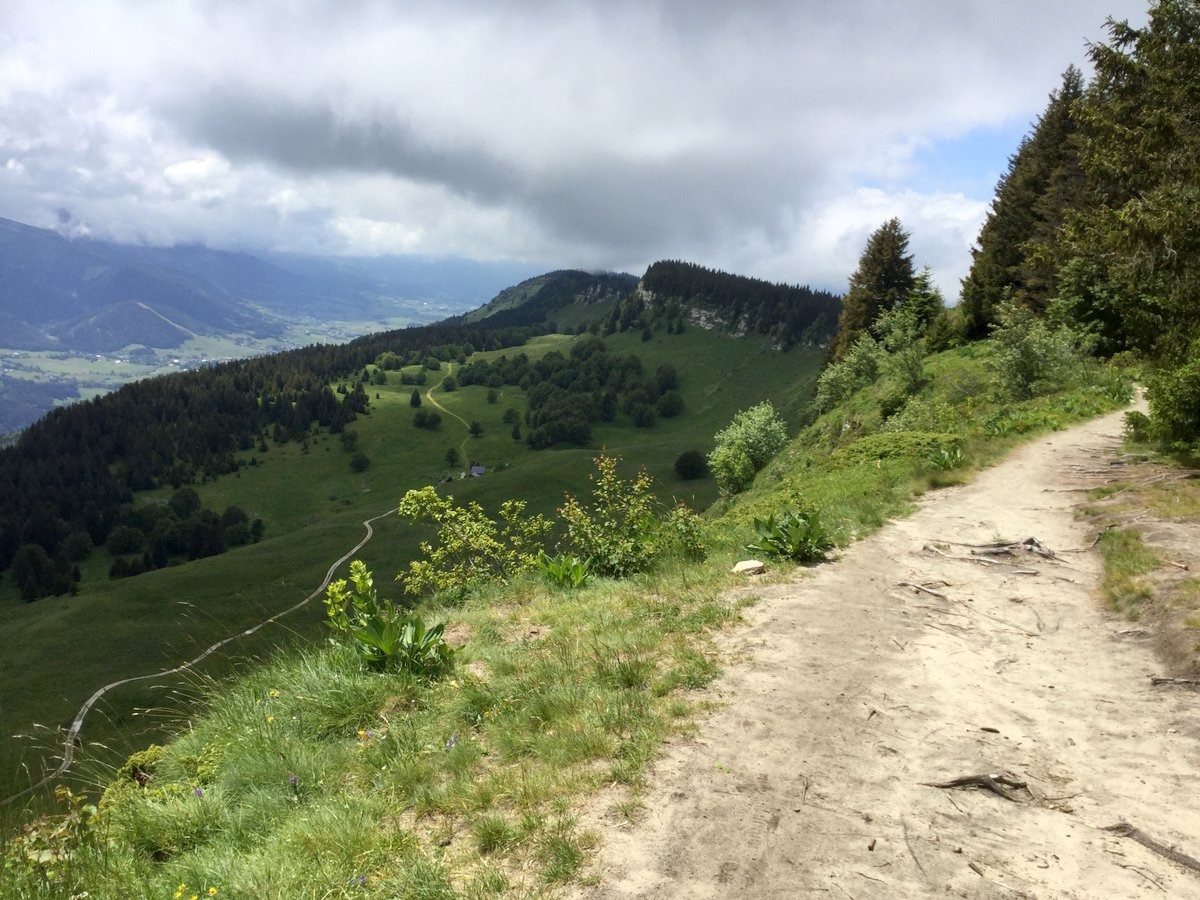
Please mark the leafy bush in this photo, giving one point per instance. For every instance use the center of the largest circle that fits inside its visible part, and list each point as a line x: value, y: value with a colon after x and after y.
x: 732, y: 467
x: 617, y: 530
x: 1175, y: 400
x: 854, y: 371
x: 427, y: 419
x: 564, y: 571
x: 690, y: 465
x: 795, y: 534
x: 360, y: 462
x: 1029, y: 356
x: 385, y: 636
x: 682, y: 533
x: 471, y: 547
x: 746, y: 445
x: 47, y: 848
x: 1138, y: 426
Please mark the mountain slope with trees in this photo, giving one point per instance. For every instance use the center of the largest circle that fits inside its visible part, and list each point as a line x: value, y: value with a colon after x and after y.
x: 672, y: 292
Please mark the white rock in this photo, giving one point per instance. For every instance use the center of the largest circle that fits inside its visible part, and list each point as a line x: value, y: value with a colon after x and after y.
x: 749, y: 567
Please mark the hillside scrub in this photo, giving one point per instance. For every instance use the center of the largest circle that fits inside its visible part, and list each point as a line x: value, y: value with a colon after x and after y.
x: 316, y: 774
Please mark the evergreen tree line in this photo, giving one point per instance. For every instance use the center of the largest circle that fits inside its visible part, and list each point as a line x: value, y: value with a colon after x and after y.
x: 74, y: 471
x: 1096, y: 222
x: 567, y: 394
x: 557, y: 289
x: 789, y: 314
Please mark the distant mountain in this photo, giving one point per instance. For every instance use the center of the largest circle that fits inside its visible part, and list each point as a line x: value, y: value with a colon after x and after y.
x: 95, y: 296
x: 539, y: 299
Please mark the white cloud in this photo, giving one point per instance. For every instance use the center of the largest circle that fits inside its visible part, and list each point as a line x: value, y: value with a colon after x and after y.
x: 591, y: 134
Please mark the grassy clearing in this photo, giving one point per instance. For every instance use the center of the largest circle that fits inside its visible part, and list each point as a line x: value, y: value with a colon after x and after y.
x: 1126, y: 557
x: 313, y: 505
x: 311, y: 776
x: 1148, y: 535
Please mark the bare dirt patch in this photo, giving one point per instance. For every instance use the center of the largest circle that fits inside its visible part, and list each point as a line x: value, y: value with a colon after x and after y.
x: 915, y: 660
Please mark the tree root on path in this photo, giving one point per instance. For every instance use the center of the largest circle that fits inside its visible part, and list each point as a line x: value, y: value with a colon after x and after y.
x: 1124, y: 829
x: 998, y: 784
x: 1184, y: 682
x: 922, y: 589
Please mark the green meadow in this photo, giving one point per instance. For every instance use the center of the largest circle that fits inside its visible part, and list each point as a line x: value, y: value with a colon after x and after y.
x: 313, y: 506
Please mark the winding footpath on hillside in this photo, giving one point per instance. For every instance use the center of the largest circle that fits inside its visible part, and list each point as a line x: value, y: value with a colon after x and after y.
x: 462, y: 448
x: 850, y: 690
x: 72, y: 739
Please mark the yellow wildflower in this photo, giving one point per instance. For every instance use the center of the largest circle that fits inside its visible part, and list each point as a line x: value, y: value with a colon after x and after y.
x: 212, y: 892
x: 272, y: 693
x: 270, y: 719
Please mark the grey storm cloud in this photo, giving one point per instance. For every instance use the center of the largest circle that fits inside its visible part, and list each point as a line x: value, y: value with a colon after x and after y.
x: 767, y: 137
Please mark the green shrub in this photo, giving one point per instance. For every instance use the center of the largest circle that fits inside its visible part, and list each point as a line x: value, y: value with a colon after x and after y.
x: 1029, y: 356
x: 1175, y: 400
x: 471, y: 547
x: 795, y: 534
x: 854, y: 371
x: 690, y: 464
x: 617, y: 530
x: 385, y: 636
x: 746, y: 445
x: 1138, y: 426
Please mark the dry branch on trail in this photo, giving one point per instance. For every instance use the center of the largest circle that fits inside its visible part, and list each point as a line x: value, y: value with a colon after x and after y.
x: 1136, y: 834
x: 922, y: 589
x: 999, y: 784
x: 1184, y: 682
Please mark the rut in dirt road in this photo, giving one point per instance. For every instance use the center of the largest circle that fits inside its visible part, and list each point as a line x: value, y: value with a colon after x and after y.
x: 851, y: 691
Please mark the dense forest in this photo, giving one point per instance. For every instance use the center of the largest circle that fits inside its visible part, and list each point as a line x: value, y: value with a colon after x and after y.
x: 567, y: 394
x: 789, y: 314
x: 1094, y: 230
x: 1096, y: 224
x: 68, y: 481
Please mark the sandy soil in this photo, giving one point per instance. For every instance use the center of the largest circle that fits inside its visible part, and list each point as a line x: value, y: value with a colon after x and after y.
x: 847, y: 691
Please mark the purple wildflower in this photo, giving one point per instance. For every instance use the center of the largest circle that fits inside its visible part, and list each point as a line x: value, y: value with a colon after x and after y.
x: 293, y: 780
x: 450, y: 743
x: 199, y: 792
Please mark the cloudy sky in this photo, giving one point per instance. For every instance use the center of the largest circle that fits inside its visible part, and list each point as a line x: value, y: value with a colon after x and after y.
x: 761, y: 137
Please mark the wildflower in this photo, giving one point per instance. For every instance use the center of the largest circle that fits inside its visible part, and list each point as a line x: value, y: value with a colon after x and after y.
x: 199, y: 792
x: 450, y: 743
x: 272, y: 693
x: 179, y: 890
x: 212, y: 892
x: 270, y: 719
x: 294, y: 780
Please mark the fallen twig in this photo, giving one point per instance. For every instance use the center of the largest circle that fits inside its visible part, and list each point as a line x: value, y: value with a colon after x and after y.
x: 1186, y: 682
x: 923, y: 590
x: 1136, y: 834
x: 997, y: 784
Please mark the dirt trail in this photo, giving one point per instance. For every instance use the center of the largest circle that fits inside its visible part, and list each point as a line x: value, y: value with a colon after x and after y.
x: 848, y: 691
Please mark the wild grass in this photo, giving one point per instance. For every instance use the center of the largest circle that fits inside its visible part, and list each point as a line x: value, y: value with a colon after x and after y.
x: 313, y: 776
x: 151, y: 622
x: 1126, y: 557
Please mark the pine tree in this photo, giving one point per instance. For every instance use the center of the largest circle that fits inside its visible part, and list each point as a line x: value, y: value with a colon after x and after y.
x: 415, y: 400
x: 1044, y: 180
x: 882, y: 281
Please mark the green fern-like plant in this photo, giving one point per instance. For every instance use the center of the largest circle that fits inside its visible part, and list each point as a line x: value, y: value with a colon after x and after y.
x: 385, y: 636
x: 795, y: 534
x: 565, y: 571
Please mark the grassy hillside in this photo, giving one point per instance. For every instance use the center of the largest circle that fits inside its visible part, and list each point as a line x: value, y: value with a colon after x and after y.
x: 313, y: 776
x: 313, y: 505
